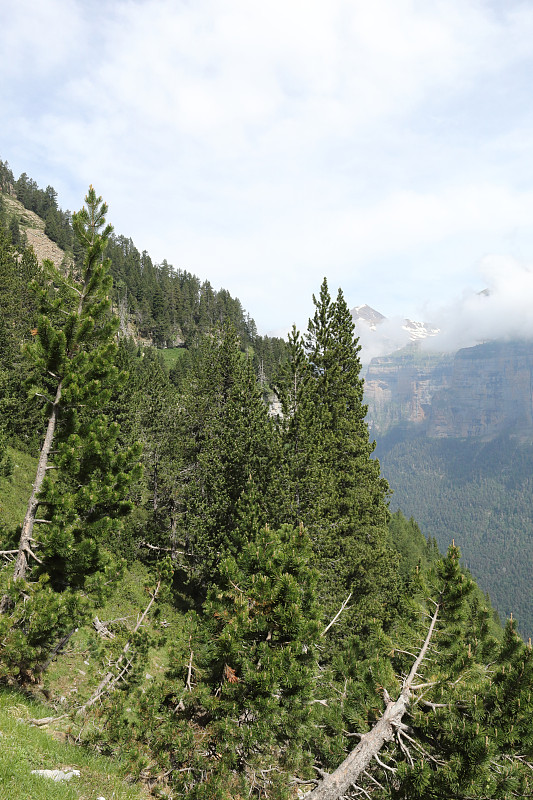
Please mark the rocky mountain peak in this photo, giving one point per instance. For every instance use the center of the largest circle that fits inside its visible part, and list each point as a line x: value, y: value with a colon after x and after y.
x: 380, y: 336
x: 368, y: 315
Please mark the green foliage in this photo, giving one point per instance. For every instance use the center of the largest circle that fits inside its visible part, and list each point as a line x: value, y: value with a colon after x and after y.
x: 28, y: 631
x: 15, y: 487
x: 263, y: 627
x: 82, y: 499
x: 18, y: 317
x: 478, y: 493
x: 240, y: 684
x: 85, y: 495
x: 226, y: 442
x: 330, y: 481
x: 416, y: 552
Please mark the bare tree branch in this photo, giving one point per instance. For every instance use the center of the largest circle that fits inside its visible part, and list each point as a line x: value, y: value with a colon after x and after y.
x: 337, y: 784
x: 337, y: 615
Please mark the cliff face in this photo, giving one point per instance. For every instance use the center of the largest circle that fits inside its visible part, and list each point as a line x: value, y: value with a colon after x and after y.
x: 400, y: 387
x: 490, y: 394
x: 482, y: 392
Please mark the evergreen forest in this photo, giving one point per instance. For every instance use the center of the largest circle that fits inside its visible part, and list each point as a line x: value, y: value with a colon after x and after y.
x: 201, y: 572
x: 478, y: 493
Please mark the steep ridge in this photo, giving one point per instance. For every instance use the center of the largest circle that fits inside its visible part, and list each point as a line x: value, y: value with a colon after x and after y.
x: 480, y: 392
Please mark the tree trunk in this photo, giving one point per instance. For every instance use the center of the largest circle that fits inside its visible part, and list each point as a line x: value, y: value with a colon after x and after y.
x: 26, y: 536
x: 339, y: 782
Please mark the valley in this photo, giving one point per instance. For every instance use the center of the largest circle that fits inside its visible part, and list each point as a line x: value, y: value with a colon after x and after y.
x: 454, y: 435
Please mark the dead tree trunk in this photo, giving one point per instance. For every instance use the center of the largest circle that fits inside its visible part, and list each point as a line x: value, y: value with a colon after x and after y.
x: 335, y: 785
x: 26, y: 536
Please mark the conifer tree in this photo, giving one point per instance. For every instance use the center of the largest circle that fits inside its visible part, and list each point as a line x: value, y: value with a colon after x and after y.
x: 254, y: 662
x: 262, y: 662
x: 147, y: 408
x: 332, y: 482
x: 79, y: 493
x: 227, y: 440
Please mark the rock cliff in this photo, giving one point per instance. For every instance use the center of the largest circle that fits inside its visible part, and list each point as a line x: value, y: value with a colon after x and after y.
x: 399, y: 388
x: 481, y: 392
x: 490, y: 393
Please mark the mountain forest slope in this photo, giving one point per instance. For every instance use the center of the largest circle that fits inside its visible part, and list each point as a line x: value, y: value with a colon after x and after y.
x: 478, y: 493
x: 455, y: 441
x: 157, y: 304
x: 197, y: 587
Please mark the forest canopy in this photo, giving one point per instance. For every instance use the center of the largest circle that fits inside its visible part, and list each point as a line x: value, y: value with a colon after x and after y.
x: 289, y: 636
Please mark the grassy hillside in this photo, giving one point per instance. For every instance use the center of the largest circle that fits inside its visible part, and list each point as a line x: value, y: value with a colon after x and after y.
x: 16, y: 489
x: 24, y: 748
x: 70, y: 681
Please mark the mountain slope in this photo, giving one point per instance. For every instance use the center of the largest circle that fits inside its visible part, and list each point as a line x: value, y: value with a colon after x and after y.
x: 33, y: 227
x: 478, y: 493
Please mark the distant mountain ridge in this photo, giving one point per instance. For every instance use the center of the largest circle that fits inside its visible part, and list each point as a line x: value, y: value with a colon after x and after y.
x: 454, y: 436
x: 479, y: 392
x: 379, y: 335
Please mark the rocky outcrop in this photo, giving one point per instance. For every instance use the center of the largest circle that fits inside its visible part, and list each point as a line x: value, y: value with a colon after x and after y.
x: 33, y: 227
x: 490, y: 393
x: 481, y: 392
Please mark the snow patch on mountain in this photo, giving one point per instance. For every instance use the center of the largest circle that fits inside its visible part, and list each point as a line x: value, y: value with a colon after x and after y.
x: 379, y: 335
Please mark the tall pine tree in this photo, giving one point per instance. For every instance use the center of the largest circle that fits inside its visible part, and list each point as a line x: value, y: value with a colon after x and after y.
x: 330, y: 480
x: 227, y: 441
x: 79, y: 492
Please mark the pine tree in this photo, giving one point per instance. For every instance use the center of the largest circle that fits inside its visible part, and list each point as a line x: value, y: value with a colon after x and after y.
x: 83, y: 473
x: 250, y: 672
x: 227, y: 439
x: 262, y: 663
x: 147, y: 407
x: 332, y: 482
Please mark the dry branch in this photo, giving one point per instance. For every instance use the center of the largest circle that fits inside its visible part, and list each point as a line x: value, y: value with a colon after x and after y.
x: 337, y: 615
x: 338, y: 783
x: 110, y: 680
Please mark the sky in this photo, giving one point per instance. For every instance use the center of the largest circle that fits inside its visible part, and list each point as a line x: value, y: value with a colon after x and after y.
x: 387, y: 145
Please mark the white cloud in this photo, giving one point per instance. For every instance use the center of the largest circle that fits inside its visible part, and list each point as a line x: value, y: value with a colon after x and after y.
x: 265, y: 145
x: 501, y: 311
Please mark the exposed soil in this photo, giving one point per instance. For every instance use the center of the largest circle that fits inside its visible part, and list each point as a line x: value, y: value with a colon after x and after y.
x: 33, y: 226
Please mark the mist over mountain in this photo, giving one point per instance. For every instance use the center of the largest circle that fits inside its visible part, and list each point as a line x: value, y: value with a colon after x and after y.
x: 379, y: 335
x: 501, y: 311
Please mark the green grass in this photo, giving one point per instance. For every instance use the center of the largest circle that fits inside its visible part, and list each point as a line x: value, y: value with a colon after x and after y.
x: 24, y: 748
x: 79, y: 668
x: 15, y: 490
x: 69, y: 681
x: 172, y: 354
